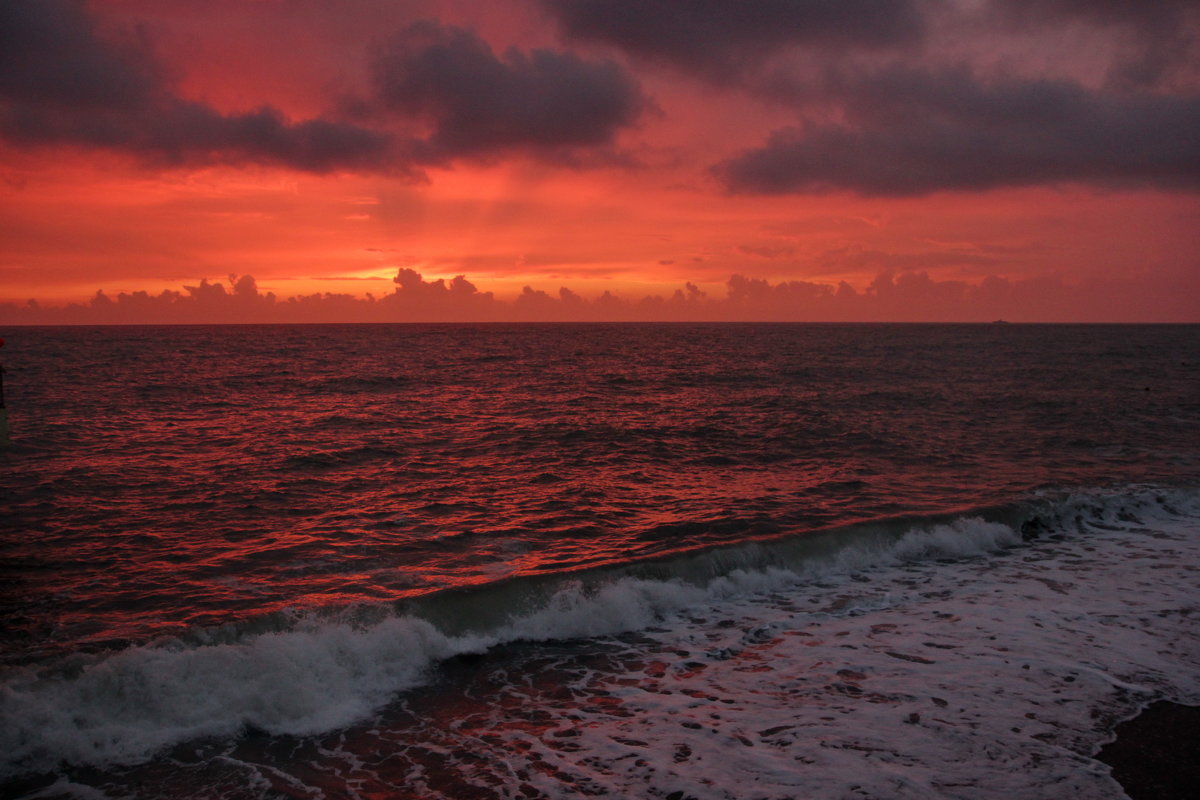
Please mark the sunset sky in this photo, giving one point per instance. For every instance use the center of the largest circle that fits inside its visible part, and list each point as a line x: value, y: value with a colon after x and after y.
x: 278, y: 160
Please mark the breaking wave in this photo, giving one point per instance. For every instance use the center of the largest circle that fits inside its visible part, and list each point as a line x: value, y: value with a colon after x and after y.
x: 306, y: 672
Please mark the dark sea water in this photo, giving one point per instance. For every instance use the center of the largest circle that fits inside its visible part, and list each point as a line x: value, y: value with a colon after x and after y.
x: 663, y: 561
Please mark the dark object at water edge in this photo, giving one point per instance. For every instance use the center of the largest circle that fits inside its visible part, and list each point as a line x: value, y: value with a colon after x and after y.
x: 1156, y: 755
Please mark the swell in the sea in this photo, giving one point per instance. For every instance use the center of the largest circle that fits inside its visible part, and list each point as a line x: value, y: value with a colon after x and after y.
x: 311, y: 671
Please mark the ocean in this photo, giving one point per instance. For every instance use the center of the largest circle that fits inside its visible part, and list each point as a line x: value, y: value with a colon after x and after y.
x: 627, y: 560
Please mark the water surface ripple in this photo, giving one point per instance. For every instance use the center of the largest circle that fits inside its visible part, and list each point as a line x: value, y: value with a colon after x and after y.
x: 164, y: 479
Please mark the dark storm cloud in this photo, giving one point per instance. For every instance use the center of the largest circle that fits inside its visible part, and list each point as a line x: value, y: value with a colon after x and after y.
x: 719, y: 39
x: 479, y: 103
x: 174, y: 131
x: 906, y: 128
x: 910, y: 132
x: 62, y: 82
x: 49, y: 53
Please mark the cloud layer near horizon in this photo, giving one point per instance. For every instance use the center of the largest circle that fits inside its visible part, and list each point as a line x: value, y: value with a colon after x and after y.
x: 891, y: 297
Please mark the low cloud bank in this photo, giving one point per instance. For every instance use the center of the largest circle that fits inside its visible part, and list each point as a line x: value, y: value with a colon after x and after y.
x: 891, y: 297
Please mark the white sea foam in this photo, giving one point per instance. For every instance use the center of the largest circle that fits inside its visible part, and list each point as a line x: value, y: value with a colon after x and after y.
x: 988, y: 677
x: 324, y: 675
x: 126, y: 706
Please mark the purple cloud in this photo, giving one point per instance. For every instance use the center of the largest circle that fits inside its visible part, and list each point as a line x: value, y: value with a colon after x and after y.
x: 480, y: 103
x: 911, y: 132
x: 61, y: 82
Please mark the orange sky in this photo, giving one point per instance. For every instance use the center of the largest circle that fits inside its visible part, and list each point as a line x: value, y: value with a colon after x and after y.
x: 949, y: 148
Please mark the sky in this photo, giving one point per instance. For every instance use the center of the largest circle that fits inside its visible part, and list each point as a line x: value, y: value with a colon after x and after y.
x: 428, y: 160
